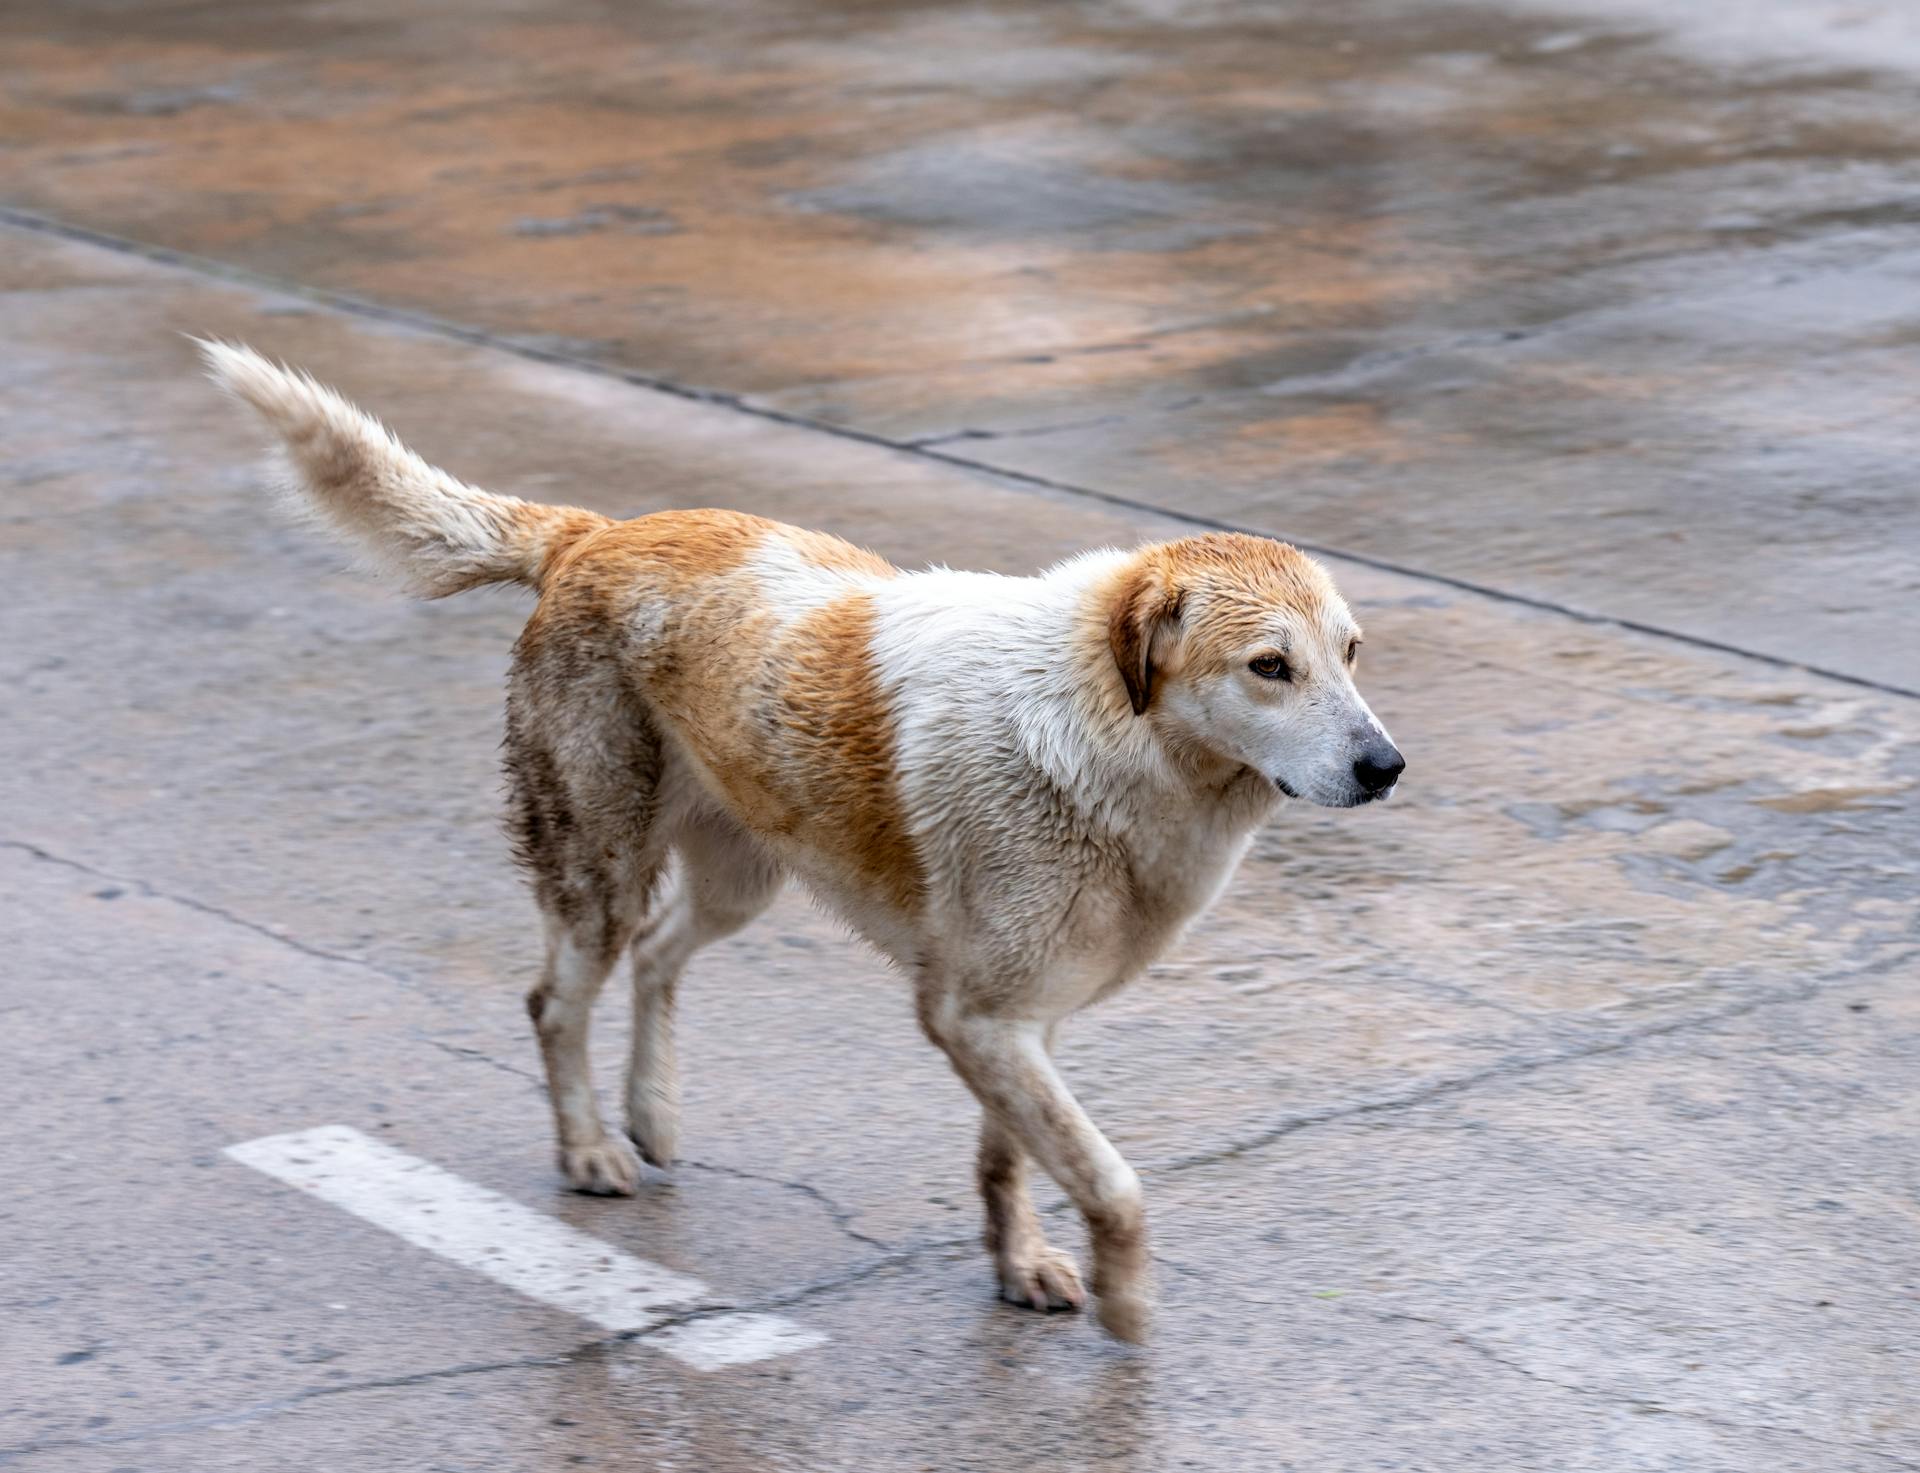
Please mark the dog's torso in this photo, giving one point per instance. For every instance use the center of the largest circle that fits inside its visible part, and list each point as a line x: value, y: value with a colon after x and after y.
x: 940, y: 757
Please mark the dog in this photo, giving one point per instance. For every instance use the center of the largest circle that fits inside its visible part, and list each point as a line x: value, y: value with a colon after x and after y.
x: 1019, y: 790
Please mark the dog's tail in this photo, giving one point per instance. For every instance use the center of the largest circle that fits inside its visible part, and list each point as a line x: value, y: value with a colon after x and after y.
x: 417, y: 523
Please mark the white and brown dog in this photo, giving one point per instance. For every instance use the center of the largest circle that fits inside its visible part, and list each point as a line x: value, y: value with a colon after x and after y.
x: 1018, y: 789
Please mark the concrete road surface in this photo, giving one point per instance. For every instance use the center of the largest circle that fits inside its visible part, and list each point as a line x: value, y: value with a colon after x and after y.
x: 1562, y: 1116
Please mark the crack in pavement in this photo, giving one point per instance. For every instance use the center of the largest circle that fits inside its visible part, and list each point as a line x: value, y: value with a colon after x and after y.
x: 201, y: 907
x: 584, y: 1351
x: 890, y: 1258
x: 426, y: 322
x: 602, y: 1345
x: 1466, y: 997
x: 1522, y: 1067
x: 841, y: 1217
x: 1247, y: 1145
x: 1267, y: 1135
x: 1506, y: 1069
x: 477, y: 1056
x: 255, y: 1411
x: 1028, y: 432
x: 1459, y: 1337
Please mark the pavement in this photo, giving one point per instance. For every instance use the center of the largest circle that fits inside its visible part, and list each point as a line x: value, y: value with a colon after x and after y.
x: 1560, y: 1115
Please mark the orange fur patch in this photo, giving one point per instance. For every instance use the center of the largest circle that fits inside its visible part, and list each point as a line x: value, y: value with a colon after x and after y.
x: 1243, y: 582
x: 824, y: 550
x: 668, y: 549
x: 555, y: 531
x: 841, y: 746
x: 788, y: 720
x: 1224, y: 587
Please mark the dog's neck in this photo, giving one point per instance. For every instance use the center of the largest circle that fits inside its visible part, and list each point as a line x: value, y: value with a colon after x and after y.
x: 1078, y: 727
x: 1220, y: 792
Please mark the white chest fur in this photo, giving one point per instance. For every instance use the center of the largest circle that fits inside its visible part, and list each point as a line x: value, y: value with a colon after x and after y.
x: 1060, y: 847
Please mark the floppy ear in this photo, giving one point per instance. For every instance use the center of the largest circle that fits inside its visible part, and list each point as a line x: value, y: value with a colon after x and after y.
x: 1144, y: 604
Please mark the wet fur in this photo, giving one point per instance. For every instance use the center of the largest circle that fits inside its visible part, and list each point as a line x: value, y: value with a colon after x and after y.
x: 1014, y: 788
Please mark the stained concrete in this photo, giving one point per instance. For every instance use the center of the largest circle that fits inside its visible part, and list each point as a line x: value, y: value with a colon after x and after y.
x: 1557, y: 1115
x: 1606, y: 305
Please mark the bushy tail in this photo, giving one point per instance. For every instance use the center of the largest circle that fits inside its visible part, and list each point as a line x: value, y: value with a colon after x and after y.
x: 417, y: 523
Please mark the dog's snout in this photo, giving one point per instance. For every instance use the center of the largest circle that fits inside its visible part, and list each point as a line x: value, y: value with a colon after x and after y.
x: 1378, y: 767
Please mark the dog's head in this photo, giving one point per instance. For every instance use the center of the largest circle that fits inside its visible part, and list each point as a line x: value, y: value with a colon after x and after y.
x: 1240, y: 649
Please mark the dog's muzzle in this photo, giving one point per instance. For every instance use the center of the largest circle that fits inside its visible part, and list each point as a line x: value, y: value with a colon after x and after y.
x: 1378, y: 768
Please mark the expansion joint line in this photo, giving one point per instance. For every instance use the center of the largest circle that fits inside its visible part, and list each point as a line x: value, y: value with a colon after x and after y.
x: 426, y: 322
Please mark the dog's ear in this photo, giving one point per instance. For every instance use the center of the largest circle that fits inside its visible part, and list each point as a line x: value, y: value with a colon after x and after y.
x: 1145, y: 605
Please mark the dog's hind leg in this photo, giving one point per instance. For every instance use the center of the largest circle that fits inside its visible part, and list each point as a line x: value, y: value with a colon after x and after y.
x: 581, y: 951
x: 720, y: 881
x: 584, y: 767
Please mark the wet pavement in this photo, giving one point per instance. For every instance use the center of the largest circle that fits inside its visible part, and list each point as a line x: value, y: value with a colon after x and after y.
x: 1560, y: 1116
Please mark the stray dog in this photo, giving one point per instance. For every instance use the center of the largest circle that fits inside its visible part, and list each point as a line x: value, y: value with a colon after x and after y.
x: 1018, y: 789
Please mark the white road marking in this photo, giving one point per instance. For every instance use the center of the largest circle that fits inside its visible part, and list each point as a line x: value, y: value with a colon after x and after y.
x: 735, y: 1340
x: 513, y: 1245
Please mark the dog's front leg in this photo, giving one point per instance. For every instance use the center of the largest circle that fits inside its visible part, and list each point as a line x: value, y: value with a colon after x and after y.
x: 1032, y: 1271
x: 1005, y: 1063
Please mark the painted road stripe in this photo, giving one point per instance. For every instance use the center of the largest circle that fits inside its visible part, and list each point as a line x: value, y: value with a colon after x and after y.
x: 512, y: 1244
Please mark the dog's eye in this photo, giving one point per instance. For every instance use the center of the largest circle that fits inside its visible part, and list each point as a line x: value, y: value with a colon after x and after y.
x: 1271, y: 667
x: 1353, y: 650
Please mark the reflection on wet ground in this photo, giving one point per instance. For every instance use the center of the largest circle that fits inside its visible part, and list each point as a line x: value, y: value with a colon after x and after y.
x: 1629, y: 308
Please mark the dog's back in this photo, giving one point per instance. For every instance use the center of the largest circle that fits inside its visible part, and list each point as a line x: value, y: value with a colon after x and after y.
x: 749, y: 646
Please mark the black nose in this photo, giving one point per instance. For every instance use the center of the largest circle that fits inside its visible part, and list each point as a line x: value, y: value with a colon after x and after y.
x: 1379, y: 767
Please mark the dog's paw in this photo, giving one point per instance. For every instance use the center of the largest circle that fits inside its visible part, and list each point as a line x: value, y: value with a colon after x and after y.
x: 607, y: 1168
x: 1126, y: 1315
x: 1042, y: 1278
x: 653, y: 1130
